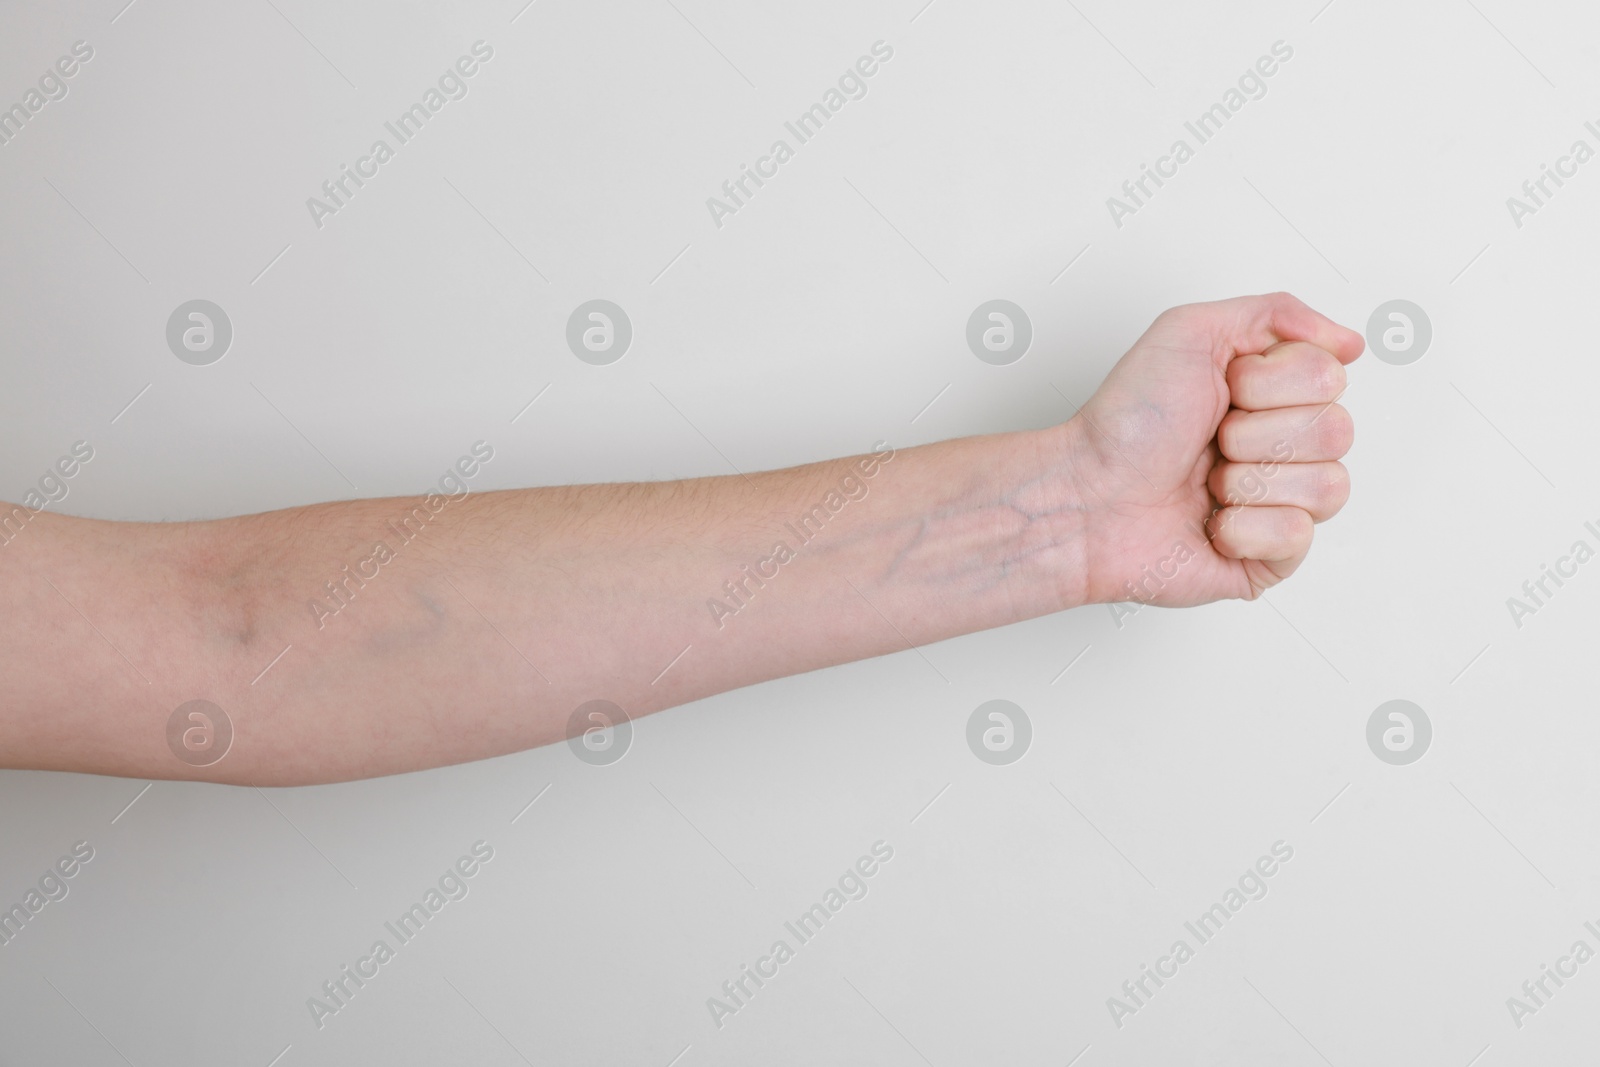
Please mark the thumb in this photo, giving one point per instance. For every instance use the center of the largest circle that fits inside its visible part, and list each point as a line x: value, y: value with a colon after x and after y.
x: 1250, y: 325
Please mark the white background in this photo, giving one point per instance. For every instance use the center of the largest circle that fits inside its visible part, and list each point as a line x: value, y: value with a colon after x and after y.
x: 825, y: 315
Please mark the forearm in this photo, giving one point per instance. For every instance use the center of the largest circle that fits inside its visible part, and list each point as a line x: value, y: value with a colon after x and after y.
x: 478, y: 628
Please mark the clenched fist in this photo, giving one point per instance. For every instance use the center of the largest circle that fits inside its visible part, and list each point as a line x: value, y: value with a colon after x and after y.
x: 1215, y: 445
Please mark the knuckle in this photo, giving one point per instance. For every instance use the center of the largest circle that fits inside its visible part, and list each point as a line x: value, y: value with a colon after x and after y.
x: 1298, y: 526
x: 1333, y: 487
x: 1330, y: 375
x: 1177, y: 314
x: 1285, y: 300
x: 1336, y: 431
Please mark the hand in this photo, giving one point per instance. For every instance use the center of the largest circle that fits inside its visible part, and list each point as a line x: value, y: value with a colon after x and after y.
x: 1214, y: 447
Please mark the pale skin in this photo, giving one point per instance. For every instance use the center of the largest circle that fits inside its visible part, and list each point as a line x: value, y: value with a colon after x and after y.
x: 482, y: 635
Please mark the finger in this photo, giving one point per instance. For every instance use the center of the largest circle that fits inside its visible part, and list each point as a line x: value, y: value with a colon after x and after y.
x: 1249, y: 325
x: 1300, y: 434
x: 1272, y: 534
x: 1319, y: 489
x: 1284, y: 376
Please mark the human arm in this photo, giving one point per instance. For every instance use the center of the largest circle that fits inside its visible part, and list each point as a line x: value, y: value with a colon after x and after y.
x: 481, y: 634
